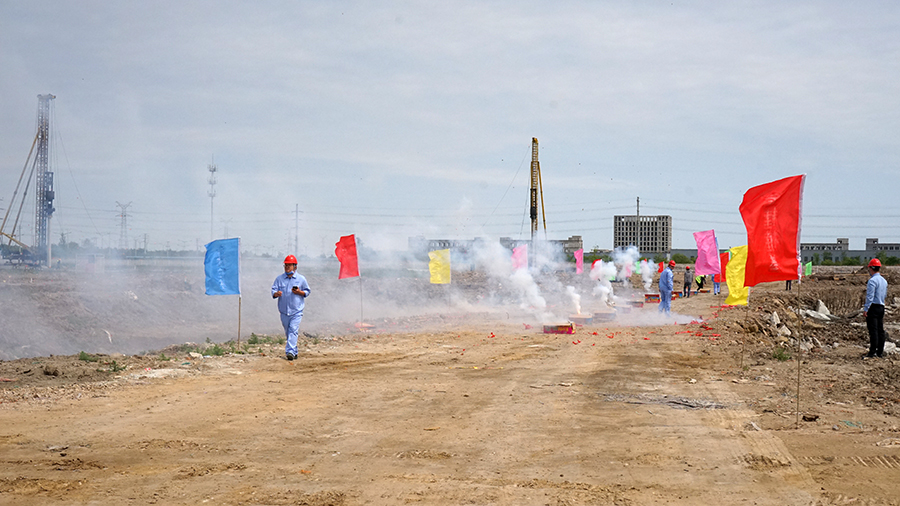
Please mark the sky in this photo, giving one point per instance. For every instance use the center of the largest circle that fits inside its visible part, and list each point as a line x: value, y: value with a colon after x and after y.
x: 397, y: 119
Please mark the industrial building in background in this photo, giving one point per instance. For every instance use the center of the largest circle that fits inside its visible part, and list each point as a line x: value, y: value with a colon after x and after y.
x: 650, y: 234
x: 13, y: 247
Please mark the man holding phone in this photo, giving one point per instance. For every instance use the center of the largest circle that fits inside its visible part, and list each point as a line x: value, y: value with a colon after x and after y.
x: 291, y: 290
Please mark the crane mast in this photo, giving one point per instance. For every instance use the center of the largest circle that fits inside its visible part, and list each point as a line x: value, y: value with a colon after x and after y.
x: 44, y: 194
x: 536, y: 195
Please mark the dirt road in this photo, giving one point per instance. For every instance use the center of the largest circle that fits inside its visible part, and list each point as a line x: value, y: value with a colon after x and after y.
x: 479, y: 411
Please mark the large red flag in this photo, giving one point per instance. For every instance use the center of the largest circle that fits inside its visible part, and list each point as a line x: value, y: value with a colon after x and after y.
x: 771, y: 214
x: 345, y: 251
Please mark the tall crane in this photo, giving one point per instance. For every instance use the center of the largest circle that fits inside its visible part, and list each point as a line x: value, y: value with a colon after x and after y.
x: 44, y: 193
x: 536, y: 191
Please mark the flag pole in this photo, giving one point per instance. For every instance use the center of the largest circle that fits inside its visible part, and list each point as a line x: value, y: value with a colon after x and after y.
x: 360, y: 300
x: 239, y: 320
x: 799, y: 337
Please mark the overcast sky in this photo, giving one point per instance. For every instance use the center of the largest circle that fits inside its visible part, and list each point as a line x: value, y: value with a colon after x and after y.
x: 396, y: 119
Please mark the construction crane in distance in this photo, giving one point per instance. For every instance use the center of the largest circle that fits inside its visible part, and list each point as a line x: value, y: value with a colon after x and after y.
x: 44, y: 193
x: 537, y: 192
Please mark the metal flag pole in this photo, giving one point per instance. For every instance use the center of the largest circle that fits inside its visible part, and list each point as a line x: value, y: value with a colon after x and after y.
x: 799, y: 349
x: 239, y: 320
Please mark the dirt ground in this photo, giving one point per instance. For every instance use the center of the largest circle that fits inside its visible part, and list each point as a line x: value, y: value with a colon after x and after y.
x: 474, y: 408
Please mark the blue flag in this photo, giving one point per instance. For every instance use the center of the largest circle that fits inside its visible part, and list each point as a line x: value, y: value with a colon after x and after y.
x: 223, y: 267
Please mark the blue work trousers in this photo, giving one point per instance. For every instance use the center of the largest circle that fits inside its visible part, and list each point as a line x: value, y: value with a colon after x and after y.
x: 291, y: 329
x: 665, y: 302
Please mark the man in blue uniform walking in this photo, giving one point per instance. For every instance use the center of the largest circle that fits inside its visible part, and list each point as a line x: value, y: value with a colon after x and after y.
x: 291, y: 290
x: 876, y: 291
x: 666, y: 284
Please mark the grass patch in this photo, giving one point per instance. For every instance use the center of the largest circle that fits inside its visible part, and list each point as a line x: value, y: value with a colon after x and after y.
x: 782, y: 354
x: 86, y: 357
x: 113, y: 367
x: 264, y: 339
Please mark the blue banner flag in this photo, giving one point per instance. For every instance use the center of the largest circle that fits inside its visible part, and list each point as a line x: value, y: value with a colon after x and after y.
x: 223, y: 267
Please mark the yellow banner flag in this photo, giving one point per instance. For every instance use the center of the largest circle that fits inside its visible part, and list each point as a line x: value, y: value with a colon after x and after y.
x: 734, y: 277
x: 440, y: 266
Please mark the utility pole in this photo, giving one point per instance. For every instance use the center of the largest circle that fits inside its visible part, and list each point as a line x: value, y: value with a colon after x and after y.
x: 123, y: 233
x: 638, y: 224
x: 212, y: 195
x: 297, y: 228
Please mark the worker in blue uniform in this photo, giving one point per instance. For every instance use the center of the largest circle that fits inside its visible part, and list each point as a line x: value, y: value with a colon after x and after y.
x: 666, y: 284
x: 873, y: 310
x: 291, y: 290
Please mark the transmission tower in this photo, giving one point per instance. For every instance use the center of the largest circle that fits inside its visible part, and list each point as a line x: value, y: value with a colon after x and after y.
x: 43, y: 196
x: 212, y: 195
x: 123, y: 234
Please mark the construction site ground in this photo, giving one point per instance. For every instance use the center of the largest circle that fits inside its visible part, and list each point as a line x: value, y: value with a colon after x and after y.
x: 475, y: 408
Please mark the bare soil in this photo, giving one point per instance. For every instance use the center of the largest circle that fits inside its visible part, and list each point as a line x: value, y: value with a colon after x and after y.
x: 474, y: 408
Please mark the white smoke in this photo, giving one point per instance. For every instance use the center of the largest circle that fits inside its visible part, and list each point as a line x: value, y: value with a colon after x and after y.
x: 602, y: 272
x: 531, y: 297
x: 576, y: 298
x: 646, y: 275
x: 625, y: 258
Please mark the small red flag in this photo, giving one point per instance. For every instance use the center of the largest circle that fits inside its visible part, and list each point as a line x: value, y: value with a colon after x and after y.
x: 771, y: 214
x: 345, y: 251
x: 661, y: 267
x: 723, y: 261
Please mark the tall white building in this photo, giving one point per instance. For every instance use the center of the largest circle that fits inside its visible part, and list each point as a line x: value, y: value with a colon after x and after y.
x: 650, y: 234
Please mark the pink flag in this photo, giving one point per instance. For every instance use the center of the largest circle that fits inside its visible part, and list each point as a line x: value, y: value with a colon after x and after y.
x: 579, y: 261
x: 520, y: 257
x: 707, y: 253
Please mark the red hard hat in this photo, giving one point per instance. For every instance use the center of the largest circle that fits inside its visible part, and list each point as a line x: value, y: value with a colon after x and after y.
x: 687, y: 267
x: 671, y: 263
x: 290, y: 259
x: 874, y: 262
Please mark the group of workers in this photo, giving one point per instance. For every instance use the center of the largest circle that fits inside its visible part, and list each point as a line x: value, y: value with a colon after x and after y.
x: 667, y: 285
x: 291, y: 290
x: 873, y: 309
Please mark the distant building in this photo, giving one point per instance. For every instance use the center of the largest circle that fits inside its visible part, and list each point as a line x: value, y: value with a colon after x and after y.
x: 650, y: 234
x: 840, y: 249
x: 420, y: 245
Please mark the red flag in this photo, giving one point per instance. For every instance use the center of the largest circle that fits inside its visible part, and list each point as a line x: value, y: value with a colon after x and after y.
x: 661, y: 267
x: 723, y: 261
x: 771, y: 214
x: 579, y: 261
x: 345, y: 251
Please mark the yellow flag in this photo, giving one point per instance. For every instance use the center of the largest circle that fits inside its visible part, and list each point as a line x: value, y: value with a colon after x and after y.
x: 734, y: 277
x: 440, y: 266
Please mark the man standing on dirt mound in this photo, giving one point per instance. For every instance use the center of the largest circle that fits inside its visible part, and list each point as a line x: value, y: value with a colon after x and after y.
x: 666, y: 285
x: 688, y: 281
x: 291, y: 290
x: 876, y: 291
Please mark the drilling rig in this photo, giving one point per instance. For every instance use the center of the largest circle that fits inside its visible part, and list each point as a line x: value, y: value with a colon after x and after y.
x: 537, y: 192
x: 43, y: 199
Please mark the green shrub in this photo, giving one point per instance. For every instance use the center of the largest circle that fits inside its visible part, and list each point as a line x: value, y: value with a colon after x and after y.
x: 86, y: 357
x: 781, y: 353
